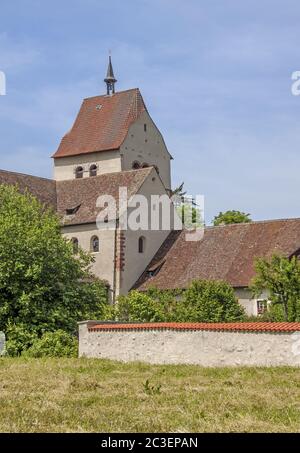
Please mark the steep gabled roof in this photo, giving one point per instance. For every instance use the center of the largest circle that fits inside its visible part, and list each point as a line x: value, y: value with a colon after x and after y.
x: 43, y: 189
x: 80, y: 195
x: 102, y: 123
x: 225, y: 253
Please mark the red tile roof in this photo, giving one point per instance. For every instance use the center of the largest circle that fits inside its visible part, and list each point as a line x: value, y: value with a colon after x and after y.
x: 43, y: 189
x: 102, y: 123
x: 83, y: 193
x: 231, y: 326
x: 225, y: 253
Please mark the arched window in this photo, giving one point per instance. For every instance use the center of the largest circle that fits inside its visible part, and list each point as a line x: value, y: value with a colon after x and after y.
x: 141, y: 244
x: 145, y: 165
x: 79, y: 172
x: 95, y: 244
x: 93, y: 170
x: 136, y: 165
x: 75, y: 245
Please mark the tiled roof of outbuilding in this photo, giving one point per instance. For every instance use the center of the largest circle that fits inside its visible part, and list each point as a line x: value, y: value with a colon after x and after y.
x: 102, y: 123
x: 225, y: 253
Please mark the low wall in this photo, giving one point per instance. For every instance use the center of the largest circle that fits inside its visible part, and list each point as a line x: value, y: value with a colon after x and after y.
x: 230, y: 344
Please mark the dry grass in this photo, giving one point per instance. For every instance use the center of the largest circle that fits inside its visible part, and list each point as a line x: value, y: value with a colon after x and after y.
x: 81, y: 395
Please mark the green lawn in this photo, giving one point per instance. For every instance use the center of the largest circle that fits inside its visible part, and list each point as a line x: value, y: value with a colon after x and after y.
x: 77, y: 395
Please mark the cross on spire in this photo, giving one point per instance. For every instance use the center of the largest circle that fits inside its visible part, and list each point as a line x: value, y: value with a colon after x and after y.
x: 110, y: 79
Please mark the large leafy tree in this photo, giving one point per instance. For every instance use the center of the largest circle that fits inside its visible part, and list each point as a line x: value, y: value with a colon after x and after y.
x: 229, y: 217
x: 280, y: 278
x: 43, y: 286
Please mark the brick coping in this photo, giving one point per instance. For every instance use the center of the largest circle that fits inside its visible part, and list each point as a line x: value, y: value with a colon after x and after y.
x: 231, y: 327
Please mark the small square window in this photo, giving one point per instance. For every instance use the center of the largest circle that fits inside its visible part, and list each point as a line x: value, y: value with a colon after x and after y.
x: 261, y: 306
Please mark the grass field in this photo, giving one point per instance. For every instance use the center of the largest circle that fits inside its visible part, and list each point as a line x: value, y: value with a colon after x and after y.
x: 81, y: 395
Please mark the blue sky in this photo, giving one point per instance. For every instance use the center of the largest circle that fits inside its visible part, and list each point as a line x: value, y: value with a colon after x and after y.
x: 215, y: 75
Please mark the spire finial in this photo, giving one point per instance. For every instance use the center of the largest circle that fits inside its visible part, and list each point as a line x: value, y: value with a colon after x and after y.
x: 110, y: 79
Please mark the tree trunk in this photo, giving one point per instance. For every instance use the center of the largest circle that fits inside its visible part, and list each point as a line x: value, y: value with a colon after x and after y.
x: 285, y: 309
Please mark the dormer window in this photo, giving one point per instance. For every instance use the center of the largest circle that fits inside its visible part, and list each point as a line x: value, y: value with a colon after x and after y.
x: 79, y: 172
x: 93, y: 170
x: 72, y: 211
x: 136, y: 165
x: 154, y: 270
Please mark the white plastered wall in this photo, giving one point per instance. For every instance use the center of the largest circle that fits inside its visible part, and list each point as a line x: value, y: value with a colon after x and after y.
x: 103, y: 266
x: 146, y: 147
x: 198, y: 347
x: 135, y: 262
x: 247, y: 301
x: 106, y: 161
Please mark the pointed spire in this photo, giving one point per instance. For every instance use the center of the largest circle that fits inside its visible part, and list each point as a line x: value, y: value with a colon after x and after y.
x: 110, y: 79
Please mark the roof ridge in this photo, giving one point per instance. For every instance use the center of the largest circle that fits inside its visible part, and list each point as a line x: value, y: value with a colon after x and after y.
x: 253, y: 222
x: 111, y: 95
x: 27, y: 174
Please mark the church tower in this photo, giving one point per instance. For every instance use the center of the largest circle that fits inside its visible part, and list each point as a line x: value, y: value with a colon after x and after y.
x: 112, y: 132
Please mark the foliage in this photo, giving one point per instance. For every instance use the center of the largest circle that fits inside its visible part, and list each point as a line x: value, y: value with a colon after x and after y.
x: 209, y: 301
x: 19, y: 338
x: 43, y: 286
x: 229, y: 217
x: 280, y: 277
x: 54, y: 344
x: 138, y: 307
x: 203, y: 301
x: 178, y: 192
x: 190, y: 215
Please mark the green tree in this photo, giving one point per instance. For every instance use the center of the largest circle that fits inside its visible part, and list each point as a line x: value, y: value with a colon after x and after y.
x: 209, y: 301
x: 138, y: 307
x: 280, y: 278
x: 42, y: 284
x: 229, y: 217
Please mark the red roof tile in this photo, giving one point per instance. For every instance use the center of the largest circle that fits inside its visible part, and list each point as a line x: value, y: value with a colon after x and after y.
x: 43, y: 189
x: 102, y: 123
x: 225, y: 253
x: 231, y: 326
x: 83, y: 193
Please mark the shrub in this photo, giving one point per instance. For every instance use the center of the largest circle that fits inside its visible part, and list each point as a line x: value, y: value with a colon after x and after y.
x: 209, y: 301
x: 139, y: 307
x: 18, y: 339
x: 53, y: 344
x: 203, y: 301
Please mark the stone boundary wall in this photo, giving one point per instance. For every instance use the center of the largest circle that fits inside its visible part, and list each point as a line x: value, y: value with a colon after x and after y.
x: 206, y: 344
